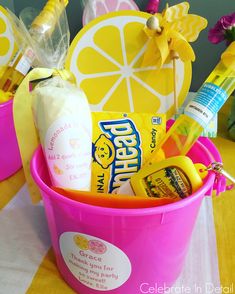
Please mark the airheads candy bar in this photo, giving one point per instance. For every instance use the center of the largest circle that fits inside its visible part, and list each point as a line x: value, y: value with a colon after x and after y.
x: 122, y: 142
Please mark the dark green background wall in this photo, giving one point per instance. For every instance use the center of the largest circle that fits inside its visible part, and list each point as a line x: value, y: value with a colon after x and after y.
x: 207, y: 54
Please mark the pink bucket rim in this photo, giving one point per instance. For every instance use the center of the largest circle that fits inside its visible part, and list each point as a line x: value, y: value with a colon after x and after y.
x: 7, y: 103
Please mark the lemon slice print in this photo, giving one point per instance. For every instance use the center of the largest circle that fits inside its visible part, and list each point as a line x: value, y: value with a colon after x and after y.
x: 95, y: 8
x: 7, y: 42
x: 106, y: 59
x: 81, y: 242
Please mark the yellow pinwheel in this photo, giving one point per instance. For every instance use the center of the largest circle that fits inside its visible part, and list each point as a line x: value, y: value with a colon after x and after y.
x: 169, y: 35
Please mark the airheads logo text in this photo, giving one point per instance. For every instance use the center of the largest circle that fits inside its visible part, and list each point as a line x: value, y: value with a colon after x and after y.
x: 119, y: 148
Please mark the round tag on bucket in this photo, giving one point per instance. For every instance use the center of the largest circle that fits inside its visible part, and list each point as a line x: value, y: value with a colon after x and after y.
x: 96, y: 263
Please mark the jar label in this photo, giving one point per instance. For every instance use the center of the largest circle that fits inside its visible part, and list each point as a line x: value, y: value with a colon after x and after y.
x: 206, y: 103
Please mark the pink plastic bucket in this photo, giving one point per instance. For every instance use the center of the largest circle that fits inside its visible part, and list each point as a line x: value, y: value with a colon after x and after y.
x: 10, y: 160
x: 119, y: 251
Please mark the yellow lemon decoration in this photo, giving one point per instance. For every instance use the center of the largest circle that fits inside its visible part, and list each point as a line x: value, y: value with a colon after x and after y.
x: 81, y: 242
x: 106, y: 58
x: 74, y: 143
x: 57, y: 170
x: 7, y: 47
x: 103, y: 151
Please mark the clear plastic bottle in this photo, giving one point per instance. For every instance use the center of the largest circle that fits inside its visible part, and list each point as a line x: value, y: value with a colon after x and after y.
x: 21, y: 63
x: 198, y: 113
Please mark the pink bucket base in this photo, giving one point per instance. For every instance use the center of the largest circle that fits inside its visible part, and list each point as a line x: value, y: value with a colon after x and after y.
x: 155, y: 239
x: 10, y: 160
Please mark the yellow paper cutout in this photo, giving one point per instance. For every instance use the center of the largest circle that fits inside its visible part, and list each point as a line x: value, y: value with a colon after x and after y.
x: 176, y: 29
x: 8, y: 46
x: 116, y: 81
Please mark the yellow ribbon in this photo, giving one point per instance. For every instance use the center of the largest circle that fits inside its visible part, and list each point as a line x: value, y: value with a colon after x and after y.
x: 65, y: 75
x: 228, y: 57
x: 26, y: 132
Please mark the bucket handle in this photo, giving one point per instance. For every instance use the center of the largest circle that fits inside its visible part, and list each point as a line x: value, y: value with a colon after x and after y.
x: 220, y: 184
x: 216, y: 166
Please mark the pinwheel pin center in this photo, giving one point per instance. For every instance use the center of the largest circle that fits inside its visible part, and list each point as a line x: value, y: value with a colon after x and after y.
x: 153, y: 24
